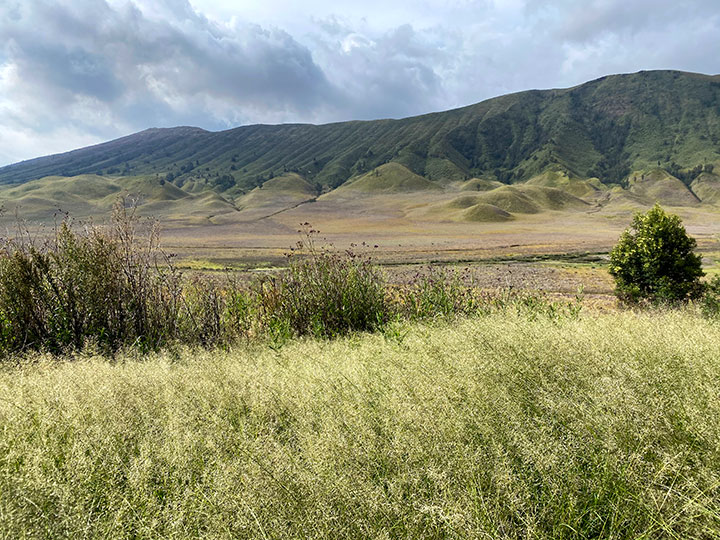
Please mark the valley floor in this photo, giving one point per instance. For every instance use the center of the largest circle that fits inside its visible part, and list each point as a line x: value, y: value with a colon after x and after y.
x: 553, y: 252
x: 499, y: 426
x: 399, y: 230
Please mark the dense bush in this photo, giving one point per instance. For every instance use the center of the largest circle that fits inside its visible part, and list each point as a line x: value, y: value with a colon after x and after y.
x: 654, y: 260
x: 108, y: 287
x: 113, y: 287
x: 324, y: 293
x: 89, y: 285
x: 437, y: 292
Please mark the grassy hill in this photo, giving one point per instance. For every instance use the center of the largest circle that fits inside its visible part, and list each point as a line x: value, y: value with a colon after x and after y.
x: 660, y: 186
x: 571, y: 184
x: 287, y: 190
x: 480, y: 184
x: 707, y: 187
x: 505, y: 203
x: 389, y: 178
x: 604, y: 129
x: 91, y: 195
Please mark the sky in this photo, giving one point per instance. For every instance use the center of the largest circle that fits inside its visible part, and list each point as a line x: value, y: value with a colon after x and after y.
x: 79, y: 72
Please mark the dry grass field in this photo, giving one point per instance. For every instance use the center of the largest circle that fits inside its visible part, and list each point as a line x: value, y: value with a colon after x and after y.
x: 511, y: 425
x: 553, y: 251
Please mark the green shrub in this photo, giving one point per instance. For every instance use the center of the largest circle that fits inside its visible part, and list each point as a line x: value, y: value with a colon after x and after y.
x: 654, y: 260
x: 88, y: 285
x: 324, y: 293
x: 710, y: 303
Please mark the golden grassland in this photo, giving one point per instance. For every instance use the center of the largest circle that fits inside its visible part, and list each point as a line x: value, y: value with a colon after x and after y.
x: 553, y: 251
x: 521, y: 423
x: 511, y: 425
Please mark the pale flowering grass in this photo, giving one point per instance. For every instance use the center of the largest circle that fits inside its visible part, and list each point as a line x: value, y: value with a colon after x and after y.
x: 496, y: 426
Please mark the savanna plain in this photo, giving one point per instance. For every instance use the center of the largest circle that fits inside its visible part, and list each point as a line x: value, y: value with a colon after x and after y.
x: 443, y: 355
x: 532, y: 411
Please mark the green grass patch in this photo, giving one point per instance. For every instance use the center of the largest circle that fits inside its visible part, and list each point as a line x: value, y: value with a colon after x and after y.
x: 202, y: 265
x: 504, y: 426
x: 390, y: 178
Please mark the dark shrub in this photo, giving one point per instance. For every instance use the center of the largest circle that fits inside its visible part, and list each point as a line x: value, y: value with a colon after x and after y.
x: 216, y: 312
x: 104, y: 286
x: 654, y: 260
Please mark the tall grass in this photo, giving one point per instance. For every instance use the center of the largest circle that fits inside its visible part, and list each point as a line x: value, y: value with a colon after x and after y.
x: 113, y: 288
x: 503, y: 426
x: 324, y: 293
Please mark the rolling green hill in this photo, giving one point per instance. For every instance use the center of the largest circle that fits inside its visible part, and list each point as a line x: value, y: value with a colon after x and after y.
x: 389, y: 178
x: 656, y: 134
x: 605, y: 129
x: 658, y: 185
x: 90, y: 195
x: 288, y: 189
x: 707, y: 187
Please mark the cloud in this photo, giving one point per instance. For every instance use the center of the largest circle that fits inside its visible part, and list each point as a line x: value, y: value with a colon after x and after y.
x: 74, y: 72
x: 610, y: 36
x: 99, y: 70
x: 592, y: 20
x: 389, y: 74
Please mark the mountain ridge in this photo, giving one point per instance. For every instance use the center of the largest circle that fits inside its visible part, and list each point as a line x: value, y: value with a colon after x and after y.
x: 608, y: 129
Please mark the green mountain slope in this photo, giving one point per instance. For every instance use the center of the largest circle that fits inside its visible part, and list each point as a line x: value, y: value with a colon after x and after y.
x: 605, y: 129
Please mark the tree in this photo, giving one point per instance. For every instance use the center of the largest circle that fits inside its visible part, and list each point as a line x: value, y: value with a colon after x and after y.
x: 654, y: 260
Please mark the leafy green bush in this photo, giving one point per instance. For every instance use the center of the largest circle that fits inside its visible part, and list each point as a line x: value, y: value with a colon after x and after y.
x: 654, y: 260
x: 324, y: 293
x: 86, y: 286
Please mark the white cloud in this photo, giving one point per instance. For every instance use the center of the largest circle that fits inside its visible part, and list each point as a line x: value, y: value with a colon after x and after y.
x: 79, y: 71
